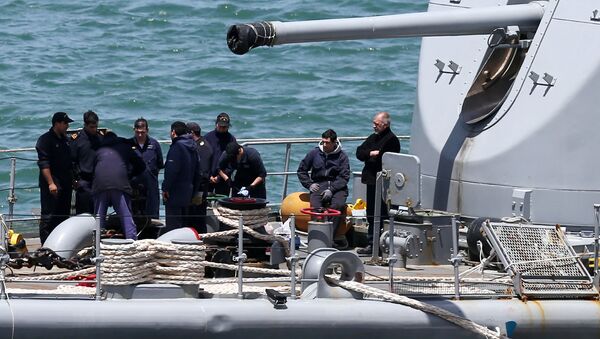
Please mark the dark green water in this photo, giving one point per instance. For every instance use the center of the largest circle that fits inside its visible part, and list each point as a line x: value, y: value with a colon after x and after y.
x: 168, y: 60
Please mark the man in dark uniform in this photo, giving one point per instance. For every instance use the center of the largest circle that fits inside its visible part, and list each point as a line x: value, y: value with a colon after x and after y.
x: 249, y: 170
x: 115, y: 164
x: 181, y: 173
x: 149, y: 150
x: 56, y: 176
x: 218, y: 139
x: 83, y: 151
x: 197, y: 211
x: 329, y: 174
x: 370, y: 152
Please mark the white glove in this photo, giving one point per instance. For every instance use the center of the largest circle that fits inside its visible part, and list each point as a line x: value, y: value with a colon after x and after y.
x: 244, y: 192
x: 314, y: 187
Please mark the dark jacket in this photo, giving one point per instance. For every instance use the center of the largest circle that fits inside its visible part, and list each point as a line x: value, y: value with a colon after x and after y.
x: 329, y: 169
x: 83, y: 154
x: 115, y: 164
x: 247, y: 169
x: 181, y: 171
x: 386, y: 141
x: 205, y: 154
x: 218, y: 142
x: 151, y: 153
x: 54, y: 153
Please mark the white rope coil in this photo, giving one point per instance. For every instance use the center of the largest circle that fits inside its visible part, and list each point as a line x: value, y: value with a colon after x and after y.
x: 162, y: 263
x: 252, y: 218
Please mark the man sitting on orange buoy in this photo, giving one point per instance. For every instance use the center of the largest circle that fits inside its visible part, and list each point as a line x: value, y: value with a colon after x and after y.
x: 329, y: 174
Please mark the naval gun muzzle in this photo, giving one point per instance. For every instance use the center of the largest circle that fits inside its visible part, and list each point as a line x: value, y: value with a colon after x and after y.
x: 483, y: 20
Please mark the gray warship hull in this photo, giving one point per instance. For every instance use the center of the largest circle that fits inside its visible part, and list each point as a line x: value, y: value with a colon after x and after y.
x: 323, y: 318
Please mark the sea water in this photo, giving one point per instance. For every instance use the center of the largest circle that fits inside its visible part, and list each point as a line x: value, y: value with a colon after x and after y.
x: 168, y: 60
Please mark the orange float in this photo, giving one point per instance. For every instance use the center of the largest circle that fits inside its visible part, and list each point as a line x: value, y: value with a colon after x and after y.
x: 295, y: 202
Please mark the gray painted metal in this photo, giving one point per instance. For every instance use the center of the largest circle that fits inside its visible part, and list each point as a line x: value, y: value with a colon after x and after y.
x: 321, y: 318
x: 465, y: 22
x: 320, y: 235
x: 72, y: 235
x: 403, y: 179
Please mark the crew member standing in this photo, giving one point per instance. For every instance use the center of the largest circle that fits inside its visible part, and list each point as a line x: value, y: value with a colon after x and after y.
x: 218, y: 139
x: 250, y: 172
x: 56, y: 175
x: 181, y: 173
x: 370, y: 152
x: 149, y: 150
x: 83, y: 151
x: 197, y: 211
x: 115, y: 164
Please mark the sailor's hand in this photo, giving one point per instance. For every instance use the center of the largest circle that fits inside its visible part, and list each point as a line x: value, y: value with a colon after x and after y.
x: 53, y: 189
x: 374, y: 153
x: 314, y: 188
x: 214, y: 180
x: 165, y: 196
x: 326, y: 195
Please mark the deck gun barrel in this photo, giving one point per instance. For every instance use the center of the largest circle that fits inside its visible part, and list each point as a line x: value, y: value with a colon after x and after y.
x: 243, y: 37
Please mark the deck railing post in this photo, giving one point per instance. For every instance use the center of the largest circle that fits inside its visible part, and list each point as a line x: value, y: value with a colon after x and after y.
x: 293, y: 258
x: 456, y: 259
x: 596, y: 235
x: 12, y: 198
x: 241, y: 258
x: 377, y: 216
x: 286, y: 167
x: 98, y: 260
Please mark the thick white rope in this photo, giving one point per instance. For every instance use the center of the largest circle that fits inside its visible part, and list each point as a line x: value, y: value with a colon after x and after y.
x: 402, y: 300
x: 152, y: 261
x: 252, y: 218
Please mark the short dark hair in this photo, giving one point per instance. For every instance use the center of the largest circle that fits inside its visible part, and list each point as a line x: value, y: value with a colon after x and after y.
x: 90, y: 117
x: 141, y: 120
x: 179, y: 128
x: 329, y: 134
x: 232, y: 150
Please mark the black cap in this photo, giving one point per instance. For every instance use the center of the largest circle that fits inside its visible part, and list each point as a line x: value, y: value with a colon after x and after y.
x: 223, y: 120
x: 193, y: 127
x: 232, y: 150
x: 61, y: 117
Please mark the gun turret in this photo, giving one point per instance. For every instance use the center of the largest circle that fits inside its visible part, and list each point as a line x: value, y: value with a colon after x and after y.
x: 243, y: 37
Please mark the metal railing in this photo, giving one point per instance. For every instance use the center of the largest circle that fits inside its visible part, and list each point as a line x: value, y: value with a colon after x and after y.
x: 287, y: 143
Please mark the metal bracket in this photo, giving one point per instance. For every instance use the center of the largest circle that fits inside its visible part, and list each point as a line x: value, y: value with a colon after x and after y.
x: 595, y: 16
x: 521, y: 203
x: 548, y: 79
x: 454, y: 67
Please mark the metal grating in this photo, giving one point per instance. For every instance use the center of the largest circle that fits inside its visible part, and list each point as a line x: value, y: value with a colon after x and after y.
x: 467, y: 289
x: 540, y: 260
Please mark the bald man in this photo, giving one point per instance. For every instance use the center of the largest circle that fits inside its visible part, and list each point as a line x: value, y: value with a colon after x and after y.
x: 370, y: 152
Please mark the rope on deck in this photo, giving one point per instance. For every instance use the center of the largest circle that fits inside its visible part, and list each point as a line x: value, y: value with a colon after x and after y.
x: 433, y: 310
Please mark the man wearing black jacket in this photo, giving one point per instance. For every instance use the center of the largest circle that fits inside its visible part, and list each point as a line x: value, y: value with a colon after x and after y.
x: 329, y: 174
x: 370, y: 152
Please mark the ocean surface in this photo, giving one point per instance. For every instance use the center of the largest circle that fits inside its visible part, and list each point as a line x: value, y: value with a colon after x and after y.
x: 168, y: 60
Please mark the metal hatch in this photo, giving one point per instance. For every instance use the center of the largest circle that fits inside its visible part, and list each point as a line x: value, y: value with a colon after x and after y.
x: 494, y: 80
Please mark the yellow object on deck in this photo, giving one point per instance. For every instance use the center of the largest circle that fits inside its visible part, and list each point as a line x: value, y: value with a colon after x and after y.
x: 294, y: 202
x: 17, y: 241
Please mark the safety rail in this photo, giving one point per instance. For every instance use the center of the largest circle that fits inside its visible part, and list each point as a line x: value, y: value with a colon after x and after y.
x: 286, y: 142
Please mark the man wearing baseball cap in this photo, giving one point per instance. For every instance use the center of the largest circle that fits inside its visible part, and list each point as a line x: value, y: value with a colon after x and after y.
x: 218, y: 139
x: 56, y: 174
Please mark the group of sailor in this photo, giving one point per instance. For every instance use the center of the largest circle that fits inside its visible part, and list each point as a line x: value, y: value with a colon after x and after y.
x: 106, y: 170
